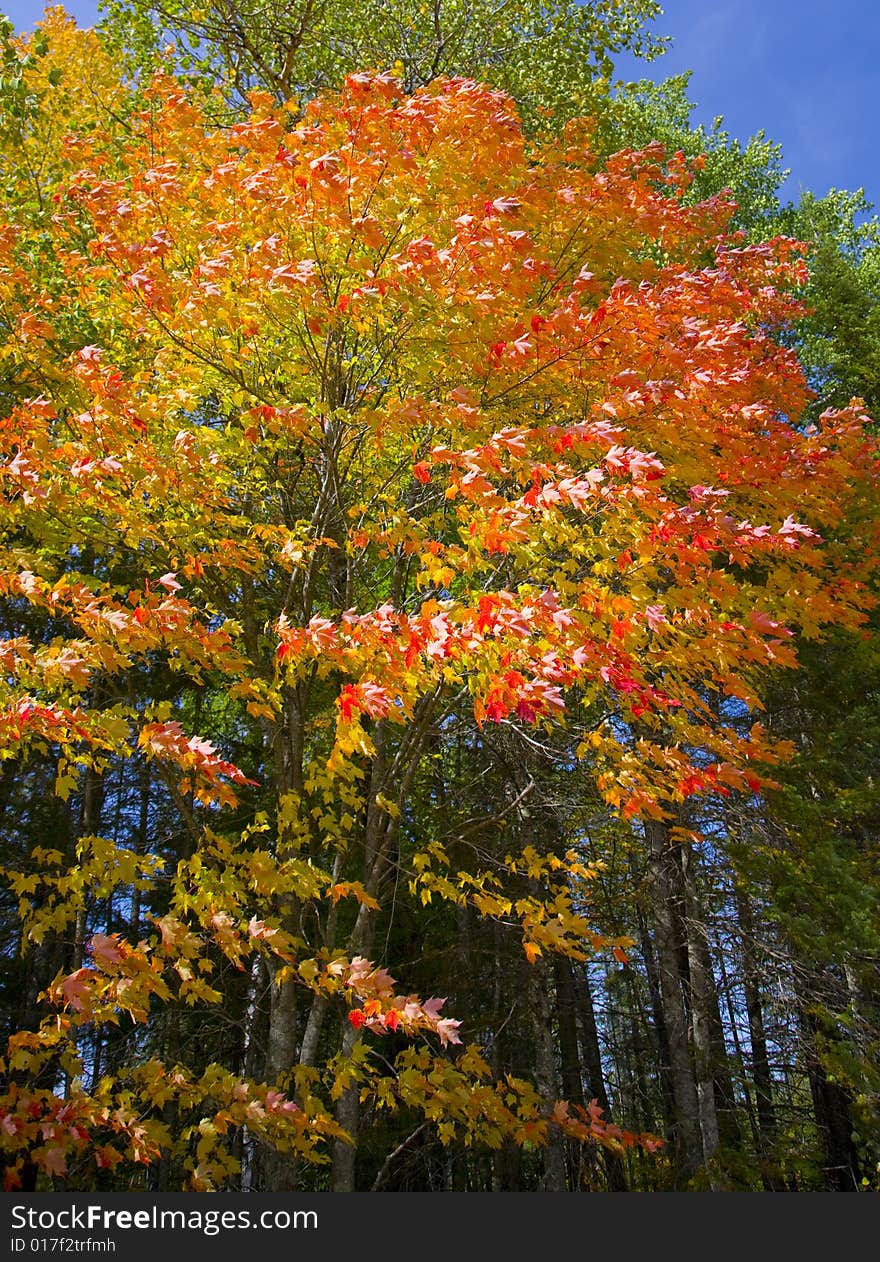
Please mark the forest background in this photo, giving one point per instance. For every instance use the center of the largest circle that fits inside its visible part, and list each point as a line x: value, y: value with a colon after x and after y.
x: 439, y: 536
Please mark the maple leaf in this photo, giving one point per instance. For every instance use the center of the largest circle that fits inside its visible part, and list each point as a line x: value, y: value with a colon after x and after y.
x: 432, y: 1006
x: 107, y: 1157
x: 52, y: 1160
x: 763, y: 622
x: 75, y: 988
x: 791, y: 528
x: 12, y: 1178
x: 277, y: 1102
x: 447, y: 1028
x: 504, y: 205
x: 106, y: 950
x: 349, y: 702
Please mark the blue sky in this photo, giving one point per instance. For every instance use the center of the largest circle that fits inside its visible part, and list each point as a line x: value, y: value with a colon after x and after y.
x: 806, y: 72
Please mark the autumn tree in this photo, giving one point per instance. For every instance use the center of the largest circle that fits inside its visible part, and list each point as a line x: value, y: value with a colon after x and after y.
x: 340, y: 445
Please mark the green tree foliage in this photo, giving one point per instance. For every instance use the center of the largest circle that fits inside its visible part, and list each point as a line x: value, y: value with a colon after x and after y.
x: 552, y: 57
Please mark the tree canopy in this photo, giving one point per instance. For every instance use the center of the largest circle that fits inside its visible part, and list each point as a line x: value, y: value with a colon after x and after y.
x: 413, y: 516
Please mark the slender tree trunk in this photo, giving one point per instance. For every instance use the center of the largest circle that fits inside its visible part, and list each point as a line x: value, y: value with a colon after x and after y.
x: 166, y: 1167
x: 391, y: 773
x: 566, y: 1016
x: 742, y: 1073
x: 615, y: 1172
x: 510, y: 975
x: 89, y: 823
x: 376, y: 841
x: 546, y: 1078
x: 309, y: 1050
x: 348, y: 1117
x: 283, y: 747
x: 658, y: 1027
x: 702, y: 1001
x: 570, y: 1069
x: 141, y: 843
x: 664, y: 885
x: 497, y: 1058
x: 831, y: 1108
x: 757, y: 1039
x: 639, y: 1043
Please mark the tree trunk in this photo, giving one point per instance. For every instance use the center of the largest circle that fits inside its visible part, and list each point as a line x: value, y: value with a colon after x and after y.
x: 570, y: 1070
x: 664, y: 886
x: 89, y: 823
x: 280, y: 1167
x: 703, y: 1000
x: 757, y: 1039
x: 658, y: 1027
x: 546, y: 1078
x: 615, y: 1172
x: 831, y: 1108
x: 348, y: 1117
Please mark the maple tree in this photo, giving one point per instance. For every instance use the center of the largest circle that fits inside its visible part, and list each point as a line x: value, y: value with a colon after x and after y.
x: 327, y: 438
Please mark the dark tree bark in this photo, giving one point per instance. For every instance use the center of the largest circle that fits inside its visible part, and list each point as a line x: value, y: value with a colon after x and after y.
x: 832, y: 1111
x: 760, y: 1066
x: 615, y: 1171
x: 666, y: 896
x: 546, y: 1078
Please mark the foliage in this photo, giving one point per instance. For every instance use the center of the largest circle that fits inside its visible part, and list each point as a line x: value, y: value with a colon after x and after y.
x: 342, y: 444
x: 549, y: 56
